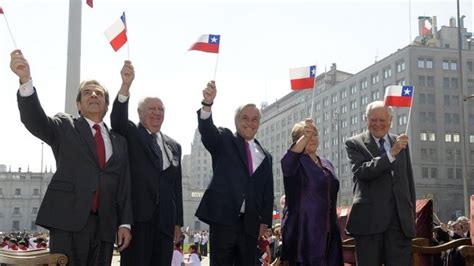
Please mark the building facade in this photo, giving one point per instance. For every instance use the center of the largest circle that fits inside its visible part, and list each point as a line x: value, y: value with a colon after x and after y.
x: 435, y: 126
x: 21, y: 194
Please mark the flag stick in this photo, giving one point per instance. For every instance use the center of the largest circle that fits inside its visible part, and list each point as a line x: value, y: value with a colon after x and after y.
x: 10, y: 31
x: 312, y: 96
x: 128, y: 49
x: 215, y: 69
x: 409, y: 112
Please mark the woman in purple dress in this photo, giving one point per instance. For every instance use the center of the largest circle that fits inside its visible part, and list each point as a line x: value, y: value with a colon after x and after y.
x: 310, y: 228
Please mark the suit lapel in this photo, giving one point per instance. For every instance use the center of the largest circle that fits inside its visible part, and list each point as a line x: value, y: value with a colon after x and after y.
x: 369, y: 142
x: 86, y: 134
x: 239, y: 143
x: 145, y: 141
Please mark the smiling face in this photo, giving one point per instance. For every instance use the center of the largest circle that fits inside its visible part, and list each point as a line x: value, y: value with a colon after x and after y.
x: 151, y: 112
x: 247, y: 121
x: 92, y: 102
x: 379, y: 120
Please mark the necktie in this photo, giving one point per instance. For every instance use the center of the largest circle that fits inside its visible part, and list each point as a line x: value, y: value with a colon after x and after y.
x: 382, y: 147
x: 249, y: 158
x: 157, y: 149
x: 100, y: 149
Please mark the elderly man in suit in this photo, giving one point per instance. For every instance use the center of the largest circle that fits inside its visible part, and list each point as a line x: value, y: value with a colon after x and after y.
x: 238, y: 203
x: 155, y: 162
x: 88, y: 202
x: 382, y: 219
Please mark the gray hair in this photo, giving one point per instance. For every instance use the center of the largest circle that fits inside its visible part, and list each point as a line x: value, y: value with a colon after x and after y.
x: 143, y: 100
x: 377, y: 104
x: 240, y: 108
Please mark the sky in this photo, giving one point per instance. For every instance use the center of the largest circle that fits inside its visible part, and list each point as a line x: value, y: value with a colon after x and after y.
x: 260, y: 41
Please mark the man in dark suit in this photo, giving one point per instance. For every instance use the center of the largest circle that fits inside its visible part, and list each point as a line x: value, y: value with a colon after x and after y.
x: 238, y: 203
x: 88, y: 202
x: 155, y: 162
x: 382, y: 218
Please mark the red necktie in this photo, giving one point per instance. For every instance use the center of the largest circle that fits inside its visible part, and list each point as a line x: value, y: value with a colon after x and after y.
x: 249, y: 159
x: 100, y: 149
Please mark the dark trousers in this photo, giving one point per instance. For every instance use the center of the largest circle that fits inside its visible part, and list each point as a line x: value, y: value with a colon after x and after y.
x: 391, y: 248
x: 83, y: 247
x: 149, y: 246
x: 231, y: 246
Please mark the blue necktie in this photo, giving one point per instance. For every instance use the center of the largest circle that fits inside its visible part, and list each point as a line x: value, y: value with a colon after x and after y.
x: 382, y: 147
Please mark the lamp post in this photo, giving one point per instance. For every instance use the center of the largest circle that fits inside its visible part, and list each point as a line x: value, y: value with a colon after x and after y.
x: 337, y: 119
x: 463, y: 118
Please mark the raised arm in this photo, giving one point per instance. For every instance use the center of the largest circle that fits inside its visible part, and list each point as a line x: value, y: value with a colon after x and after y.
x: 209, y: 133
x: 119, y: 115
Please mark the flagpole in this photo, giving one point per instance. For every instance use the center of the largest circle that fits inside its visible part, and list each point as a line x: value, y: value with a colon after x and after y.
x: 128, y: 41
x: 215, y: 69
x: 10, y: 31
x: 312, y: 97
x: 409, y: 112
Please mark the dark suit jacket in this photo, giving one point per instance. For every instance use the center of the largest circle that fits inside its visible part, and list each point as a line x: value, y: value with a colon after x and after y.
x: 231, y: 182
x: 151, y: 187
x: 68, y: 199
x: 374, y: 187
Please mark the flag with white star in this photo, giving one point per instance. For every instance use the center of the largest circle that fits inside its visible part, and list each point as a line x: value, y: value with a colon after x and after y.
x: 208, y: 43
x: 398, y: 96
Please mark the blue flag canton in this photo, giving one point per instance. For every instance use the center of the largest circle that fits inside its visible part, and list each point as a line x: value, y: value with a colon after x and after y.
x: 122, y: 17
x: 407, y: 91
x: 214, y: 39
x: 312, y: 71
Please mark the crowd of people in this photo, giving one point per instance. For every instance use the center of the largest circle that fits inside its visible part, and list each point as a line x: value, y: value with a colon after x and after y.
x: 24, y: 241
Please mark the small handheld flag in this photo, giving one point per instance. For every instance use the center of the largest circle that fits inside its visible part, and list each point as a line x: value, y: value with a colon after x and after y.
x: 398, y: 96
x: 303, y: 78
x: 117, y: 33
x: 90, y: 3
x: 208, y: 43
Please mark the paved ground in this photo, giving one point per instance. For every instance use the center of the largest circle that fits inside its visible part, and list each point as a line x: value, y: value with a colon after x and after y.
x: 116, y: 261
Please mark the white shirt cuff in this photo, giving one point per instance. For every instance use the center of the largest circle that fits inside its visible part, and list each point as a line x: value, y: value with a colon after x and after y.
x: 205, y: 114
x: 390, y: 157
x: 129, y: 227
x: 26, y: 89
x: 122, y: 98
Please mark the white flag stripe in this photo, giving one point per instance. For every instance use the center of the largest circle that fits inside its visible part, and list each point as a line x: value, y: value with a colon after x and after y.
x: 393, y: 90
x: 299, y: 73
x: 114, y: 30
x: 203, y: 38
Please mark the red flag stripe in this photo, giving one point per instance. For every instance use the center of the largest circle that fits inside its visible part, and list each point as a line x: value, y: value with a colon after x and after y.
x: 90, y: 3
x: 1, y: 10
x: 398, y: 101
x: 119, y: 41
x: 205, y: 47
x: 301, y: 84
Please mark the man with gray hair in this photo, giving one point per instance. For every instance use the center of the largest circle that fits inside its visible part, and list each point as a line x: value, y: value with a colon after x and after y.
x: 155, y: 164
x: 382, y: 218
x: 238, y: 203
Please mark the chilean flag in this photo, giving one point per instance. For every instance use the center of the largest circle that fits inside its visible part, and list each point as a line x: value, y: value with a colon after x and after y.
x: 1, y: 10
x: 208, y: 43
x: 117, y: 33
x: 90, y: 3
x: 399, y: 96
x: 276, y: 214
x: 303, y: 78
x: 427, y: 26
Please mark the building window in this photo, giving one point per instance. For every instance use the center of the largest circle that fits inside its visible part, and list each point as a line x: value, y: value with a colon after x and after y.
x: 423, y: 136
x: 430, y: 81
x: 471, y: 140
x: 450, y: 173
x: 387, y: 73
x: 375, y: 95
x: 375, y: 78
x: 353, y: 89
x: 16, y: 211
x: 344, y: 109
x: 445, y: 64
x: 454, y: 65
x: 421, y: 81
x: 402, y: 119
x: 17, y: 192
x: 36, y: 192
x: 34, y: 210
x: 431, y: 136
x: 424, y: 172
x: 456, y: 137
x: 400, y: 66
x: 16, y: 225
x: 343, y: 93
x: 353, y: 104
x: 334, y: 98
x: 363, y: 84
x: 401, y: 82
x: 429, y: 63
x: 448, y: 137
x: 364, y: 100
x: 421, y: 63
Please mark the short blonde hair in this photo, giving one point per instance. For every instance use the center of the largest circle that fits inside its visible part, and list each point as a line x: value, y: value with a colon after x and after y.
x: 298, y: 131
